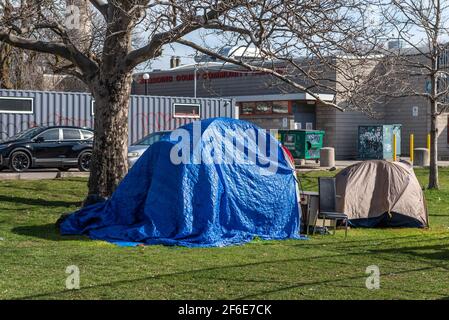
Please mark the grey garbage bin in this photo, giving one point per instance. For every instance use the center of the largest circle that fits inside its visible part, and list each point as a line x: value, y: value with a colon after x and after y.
x: 422, y: 157
x: 327, y: 157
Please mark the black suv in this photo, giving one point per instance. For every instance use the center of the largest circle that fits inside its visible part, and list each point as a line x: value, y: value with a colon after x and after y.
x: 59, y: 147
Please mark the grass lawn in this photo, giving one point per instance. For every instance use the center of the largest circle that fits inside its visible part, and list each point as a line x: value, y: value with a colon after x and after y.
x: 414, y: 264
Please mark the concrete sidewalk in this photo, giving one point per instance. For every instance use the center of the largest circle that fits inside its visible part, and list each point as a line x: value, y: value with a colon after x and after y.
x: 41, y: 175
x: 341, y: 164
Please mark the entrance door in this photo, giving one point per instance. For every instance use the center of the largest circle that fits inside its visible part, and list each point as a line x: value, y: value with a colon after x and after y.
x: 305, y: 114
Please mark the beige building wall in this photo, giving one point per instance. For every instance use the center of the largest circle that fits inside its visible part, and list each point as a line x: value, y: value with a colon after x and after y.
x: 346, y: 138
x: 400, y: 111
x: 413, y: 112
x: 345, y: 134
x: 443, y: 145
x: 326, y: 120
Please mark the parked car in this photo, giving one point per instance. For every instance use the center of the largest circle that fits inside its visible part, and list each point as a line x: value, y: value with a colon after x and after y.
x: 61, y: 147
x: 137, y: 149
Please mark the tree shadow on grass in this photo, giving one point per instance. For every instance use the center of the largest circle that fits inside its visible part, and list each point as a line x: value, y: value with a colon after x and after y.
x: 38, y: 202
x: 363, y: 243
x: 197, y: 273
x: 433, y: 255
x: 432, y: 252
x: 46, y: 232
x: 190, y: 273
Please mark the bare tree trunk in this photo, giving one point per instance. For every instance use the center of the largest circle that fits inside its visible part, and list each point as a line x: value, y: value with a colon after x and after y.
x: 111, y: 88
x: 434, y: 182
x: 5, y: 64
x: 110, y: 153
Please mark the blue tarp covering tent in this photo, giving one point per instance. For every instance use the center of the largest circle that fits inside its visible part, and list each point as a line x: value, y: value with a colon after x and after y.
x: 225, y: 187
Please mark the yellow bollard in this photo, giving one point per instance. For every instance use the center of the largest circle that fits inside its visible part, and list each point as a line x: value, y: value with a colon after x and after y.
x: 394, y: 147
x: 428, y: 141
x: 412, y: 148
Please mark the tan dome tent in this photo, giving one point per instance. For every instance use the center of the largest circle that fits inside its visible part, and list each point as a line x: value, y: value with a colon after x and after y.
x: 381, y: 194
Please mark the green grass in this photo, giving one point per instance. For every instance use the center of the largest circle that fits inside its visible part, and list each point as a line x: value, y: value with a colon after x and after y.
x: 33, y: 257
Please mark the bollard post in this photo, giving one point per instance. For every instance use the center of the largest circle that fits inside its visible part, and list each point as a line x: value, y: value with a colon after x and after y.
x: 428, y: 141
x: 412, y: 148
x: 394, y: 147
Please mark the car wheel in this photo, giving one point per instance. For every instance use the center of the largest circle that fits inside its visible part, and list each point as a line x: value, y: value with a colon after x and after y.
x: 84, y: 161
x: 20, y: 161
x: 62, y: 169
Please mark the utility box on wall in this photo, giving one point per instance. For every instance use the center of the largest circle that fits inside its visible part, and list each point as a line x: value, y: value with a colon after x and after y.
x: 376, y: 141
x: 303, y: 144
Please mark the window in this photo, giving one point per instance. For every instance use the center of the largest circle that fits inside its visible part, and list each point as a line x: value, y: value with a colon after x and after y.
x: 181, y: 110
x: 443, y: 85
x: 264, y: 107
x: 247, y: 107
x: 16, y: 105
x: 152, y: 138
x: 148, y: 141
x: 71, y: 134
x: 27, y: 134
x: 87, y: 134
x: 92, y: 107
x: 50, y: 135
x: 443, y: 59
x: 280, y: 107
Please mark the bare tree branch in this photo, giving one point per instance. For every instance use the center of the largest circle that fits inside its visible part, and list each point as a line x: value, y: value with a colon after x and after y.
x: 101, y: 6
x: 253, y: 67
x: 59, y: 49
x: 154, y: 46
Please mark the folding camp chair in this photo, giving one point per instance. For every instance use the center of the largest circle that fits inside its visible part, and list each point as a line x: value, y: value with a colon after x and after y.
x: 328, y: 204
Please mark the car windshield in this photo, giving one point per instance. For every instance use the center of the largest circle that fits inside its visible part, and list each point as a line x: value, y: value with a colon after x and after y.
x: 27, y: 134
x: 151, y: 138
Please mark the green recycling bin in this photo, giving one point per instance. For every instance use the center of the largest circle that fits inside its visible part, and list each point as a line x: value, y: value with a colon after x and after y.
x: 303, y: 144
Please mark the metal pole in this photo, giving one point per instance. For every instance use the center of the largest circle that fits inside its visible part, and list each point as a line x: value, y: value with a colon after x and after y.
x: 194, y: 81
x: 428, y: 141
x: 146, y: 87
x: 394, y: 147
x: 412, y: 148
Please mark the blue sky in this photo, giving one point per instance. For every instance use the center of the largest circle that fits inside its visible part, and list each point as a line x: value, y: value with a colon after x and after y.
x: 163, y: 62
x: 185, y: 53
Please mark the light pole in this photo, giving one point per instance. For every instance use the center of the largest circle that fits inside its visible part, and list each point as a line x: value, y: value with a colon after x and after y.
x: 194, y: 79
x: 146, y: 77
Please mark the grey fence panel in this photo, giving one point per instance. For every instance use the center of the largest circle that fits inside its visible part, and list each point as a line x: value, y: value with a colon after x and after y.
x: 147, y: 113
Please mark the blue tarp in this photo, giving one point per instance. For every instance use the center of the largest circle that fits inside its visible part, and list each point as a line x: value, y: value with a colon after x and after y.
x: 200, y: 202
